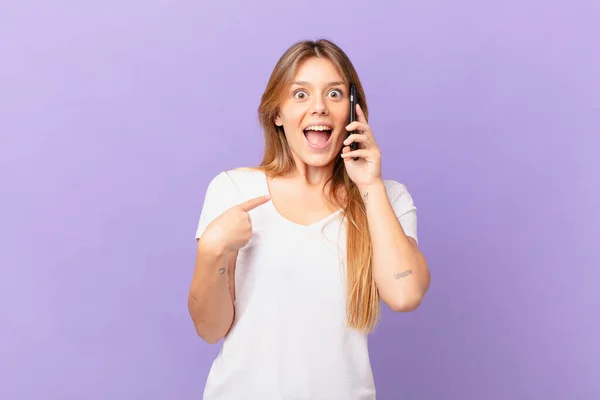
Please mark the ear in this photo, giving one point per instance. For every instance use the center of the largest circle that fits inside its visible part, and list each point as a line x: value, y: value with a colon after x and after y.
x: 278, y: 121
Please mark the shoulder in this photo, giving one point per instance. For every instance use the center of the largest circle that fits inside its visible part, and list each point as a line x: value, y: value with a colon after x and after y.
x: 395, y: 188
x: 244, y: 176
x: 399, y: 195
x: 245, y: 172
x: 227, y: 177
x: 245, y: 182
x: 219, y: 181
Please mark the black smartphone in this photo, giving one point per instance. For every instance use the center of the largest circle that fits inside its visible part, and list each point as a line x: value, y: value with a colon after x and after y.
x: 354, y: 145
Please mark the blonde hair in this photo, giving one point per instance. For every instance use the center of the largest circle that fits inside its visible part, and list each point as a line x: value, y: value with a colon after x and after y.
x: 362, y: 296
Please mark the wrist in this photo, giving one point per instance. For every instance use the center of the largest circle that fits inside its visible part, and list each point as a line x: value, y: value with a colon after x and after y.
x: 376, y: 184
x: 211, y: 244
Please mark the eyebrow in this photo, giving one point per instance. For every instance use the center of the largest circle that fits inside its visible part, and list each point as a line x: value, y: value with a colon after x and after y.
x: 309, y: 84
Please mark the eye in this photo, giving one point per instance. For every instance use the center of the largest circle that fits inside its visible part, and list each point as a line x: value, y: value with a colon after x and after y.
x: 337, y: 92
x: 300, y: 92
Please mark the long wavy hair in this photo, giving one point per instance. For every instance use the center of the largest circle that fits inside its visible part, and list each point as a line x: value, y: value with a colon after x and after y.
x: 362, y: 296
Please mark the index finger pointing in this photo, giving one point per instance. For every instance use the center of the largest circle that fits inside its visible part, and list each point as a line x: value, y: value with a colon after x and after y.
x: 253, y: 203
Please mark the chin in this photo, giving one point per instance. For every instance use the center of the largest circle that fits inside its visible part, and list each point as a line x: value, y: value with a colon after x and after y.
x: 317, y: 160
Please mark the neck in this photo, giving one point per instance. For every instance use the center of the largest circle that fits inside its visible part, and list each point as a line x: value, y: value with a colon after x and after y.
x: 311, y: 176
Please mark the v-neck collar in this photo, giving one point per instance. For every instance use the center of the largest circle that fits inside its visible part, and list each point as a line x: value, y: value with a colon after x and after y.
x: 271, y: 205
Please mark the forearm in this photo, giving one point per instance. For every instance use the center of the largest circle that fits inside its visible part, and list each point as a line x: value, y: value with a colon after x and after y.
x: 399, y: 268
x: 209, y: 300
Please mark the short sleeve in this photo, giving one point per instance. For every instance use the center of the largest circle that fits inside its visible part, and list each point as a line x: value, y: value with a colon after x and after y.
x: 221, y: 195
x: 404, y: 207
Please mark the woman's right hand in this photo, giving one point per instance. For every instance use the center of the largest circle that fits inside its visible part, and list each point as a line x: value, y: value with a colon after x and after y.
x: 232, y: 230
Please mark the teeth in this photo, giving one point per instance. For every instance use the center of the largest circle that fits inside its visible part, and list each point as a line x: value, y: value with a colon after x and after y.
x: 318, y: 128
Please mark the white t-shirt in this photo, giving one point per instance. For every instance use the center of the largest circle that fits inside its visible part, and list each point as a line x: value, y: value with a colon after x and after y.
x: 289, y: 338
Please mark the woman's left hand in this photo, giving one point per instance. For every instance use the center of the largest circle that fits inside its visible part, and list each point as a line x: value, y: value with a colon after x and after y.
x: 367, y: 169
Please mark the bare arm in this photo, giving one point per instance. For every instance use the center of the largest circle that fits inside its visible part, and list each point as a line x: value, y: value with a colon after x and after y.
x: 212, y: 292
x: 399, y: 268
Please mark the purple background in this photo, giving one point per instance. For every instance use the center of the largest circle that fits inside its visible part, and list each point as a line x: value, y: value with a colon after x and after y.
x: 114, y: 116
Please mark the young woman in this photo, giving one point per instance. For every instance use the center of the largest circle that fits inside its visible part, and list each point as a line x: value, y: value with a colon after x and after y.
x: 294, y: 255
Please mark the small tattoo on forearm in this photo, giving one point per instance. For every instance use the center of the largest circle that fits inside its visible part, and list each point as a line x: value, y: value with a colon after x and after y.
x: 403, y: 274
x: 221, y: 271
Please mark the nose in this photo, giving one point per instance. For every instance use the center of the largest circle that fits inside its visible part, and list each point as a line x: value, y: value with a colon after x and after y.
x: 319, y: 106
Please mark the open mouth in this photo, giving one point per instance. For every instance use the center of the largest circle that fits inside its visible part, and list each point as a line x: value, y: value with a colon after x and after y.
x: 318, y: 139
